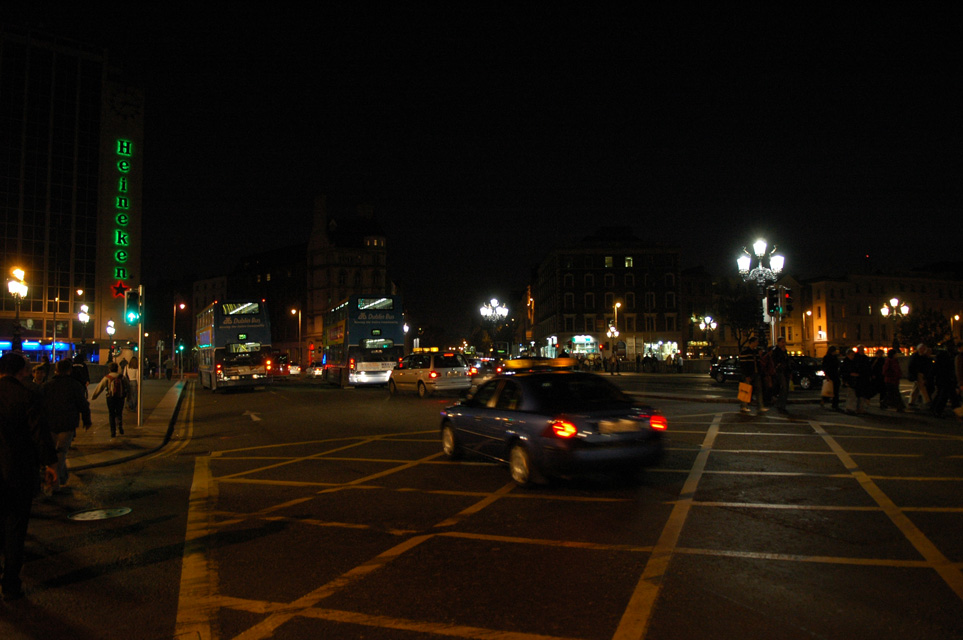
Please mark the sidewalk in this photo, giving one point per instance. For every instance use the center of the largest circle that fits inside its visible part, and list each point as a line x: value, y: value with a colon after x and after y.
x: 95, y: 448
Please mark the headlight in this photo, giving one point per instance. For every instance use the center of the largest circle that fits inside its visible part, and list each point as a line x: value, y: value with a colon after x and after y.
x: 820, y: 372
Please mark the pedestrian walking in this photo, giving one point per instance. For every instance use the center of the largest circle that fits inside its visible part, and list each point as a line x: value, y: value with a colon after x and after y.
x: 113, y: 383
x: 831, y: 368
x: 80, y: 372
x: 169, y: 368
x: 947, y: 386
x: 849, y: 375
x: 892, y: 374
x: 877, y: 382
x: 749, y: 367
x: 25, y: 448
x: 64, y: 405
x: 782, y: 374
x: 918, y: 370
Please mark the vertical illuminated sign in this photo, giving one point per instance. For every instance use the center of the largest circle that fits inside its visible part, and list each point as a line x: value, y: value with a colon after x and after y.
x: 122, y: 204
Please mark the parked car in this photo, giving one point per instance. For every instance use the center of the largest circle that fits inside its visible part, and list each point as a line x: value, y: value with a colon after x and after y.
x: 727, y: 369
x: 426, y: 373
x: 551, y: 423
x: 807, y: 372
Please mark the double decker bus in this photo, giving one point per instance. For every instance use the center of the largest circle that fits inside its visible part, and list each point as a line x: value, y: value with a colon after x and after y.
x: 364, y: 337
x: 234, y: 345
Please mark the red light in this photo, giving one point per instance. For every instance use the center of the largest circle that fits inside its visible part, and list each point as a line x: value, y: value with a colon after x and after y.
x: 351, y: 364
x: 563, y: 429
x: 473, y: 371
x: 432, y: 374
x: 268, y: 363
x: 658, y: 422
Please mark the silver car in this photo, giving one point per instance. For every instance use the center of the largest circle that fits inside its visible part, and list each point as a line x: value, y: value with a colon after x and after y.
x: 426, y: 373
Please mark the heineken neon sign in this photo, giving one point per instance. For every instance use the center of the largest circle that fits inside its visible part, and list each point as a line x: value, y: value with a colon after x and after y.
x: 122, y: 204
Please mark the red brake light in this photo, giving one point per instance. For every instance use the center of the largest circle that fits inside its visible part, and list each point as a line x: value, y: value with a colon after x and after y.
x: 432, y: 374
x: 658, y: 422
x: 562, y: 429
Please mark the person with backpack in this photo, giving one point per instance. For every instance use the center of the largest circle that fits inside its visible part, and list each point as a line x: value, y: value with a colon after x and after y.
x: 116, y: 387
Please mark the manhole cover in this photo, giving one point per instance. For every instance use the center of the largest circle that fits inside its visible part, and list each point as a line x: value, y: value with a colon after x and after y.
x: 100, y: 514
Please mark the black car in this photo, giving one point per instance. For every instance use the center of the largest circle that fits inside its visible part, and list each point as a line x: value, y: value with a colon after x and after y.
x: 727, y: 369
x: 807, y: 372
x: 546, y: 423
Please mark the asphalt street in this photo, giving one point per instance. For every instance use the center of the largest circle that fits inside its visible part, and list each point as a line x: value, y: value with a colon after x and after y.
x: 305, y: 511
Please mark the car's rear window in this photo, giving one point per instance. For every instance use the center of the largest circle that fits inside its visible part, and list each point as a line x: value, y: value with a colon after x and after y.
x: 449, y: 362
x: 574, y: 393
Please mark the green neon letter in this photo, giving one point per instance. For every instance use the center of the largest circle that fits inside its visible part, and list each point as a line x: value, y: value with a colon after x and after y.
x: 123, y: 166
x: 122, y: 218
x: 123, y: 147
x: 122, y: 185
x: 121, y: 255
x: 123, y: 202
x: 121, y: 238
x: 120, y: 272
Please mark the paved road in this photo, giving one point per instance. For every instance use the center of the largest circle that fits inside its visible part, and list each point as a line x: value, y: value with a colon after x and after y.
x: 310, y: 512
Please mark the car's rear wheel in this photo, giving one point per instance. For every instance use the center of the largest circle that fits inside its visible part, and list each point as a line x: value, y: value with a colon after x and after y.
x: 520, y: 465
x: 449, y: 442
x: 720, y: 377
x: 805, y: 382
x: 392, y: 387
x: 422, y: 390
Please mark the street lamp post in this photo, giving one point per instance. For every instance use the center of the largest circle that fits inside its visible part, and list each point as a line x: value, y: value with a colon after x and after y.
x: 84, y: 318
x: 706, y: 324
x: 174, y: 337
x: 298, y: 312
x: 493, y: 311
x: 18, y: 289
x: 766, y: 271
x: 894, y: 309
x: 110, y: 348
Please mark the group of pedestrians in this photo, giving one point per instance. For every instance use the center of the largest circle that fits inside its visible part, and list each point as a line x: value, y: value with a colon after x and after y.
x: 936, y: 382
x: 768, y: 372
x: 39, y: 417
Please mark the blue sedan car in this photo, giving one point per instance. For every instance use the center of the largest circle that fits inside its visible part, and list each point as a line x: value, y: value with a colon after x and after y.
x: 554, y: 423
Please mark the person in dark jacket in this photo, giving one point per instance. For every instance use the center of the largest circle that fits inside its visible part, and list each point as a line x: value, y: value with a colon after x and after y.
x: 783, y: 373
x: 850, y: 374
x: 918, y: 370
x: 831, y: 368
x: 944, y: 374
x: 64, y: 404
x: 25, y: 447
x: 892, y: 374
x: 751, y: 373
x: 80, y: 372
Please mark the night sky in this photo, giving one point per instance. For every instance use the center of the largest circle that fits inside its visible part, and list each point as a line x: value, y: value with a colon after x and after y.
x: 483, y: 139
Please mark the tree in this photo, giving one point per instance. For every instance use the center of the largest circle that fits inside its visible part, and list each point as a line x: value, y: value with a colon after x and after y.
x: 739, y: 309
x: 926, y: 325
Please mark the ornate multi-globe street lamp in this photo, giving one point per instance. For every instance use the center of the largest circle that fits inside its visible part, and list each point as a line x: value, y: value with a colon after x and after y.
x: 493, y: 312
x: 894, y: 309
x: 768, y: 265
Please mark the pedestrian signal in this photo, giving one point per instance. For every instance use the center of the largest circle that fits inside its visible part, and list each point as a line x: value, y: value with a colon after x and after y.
x: 132, y: 306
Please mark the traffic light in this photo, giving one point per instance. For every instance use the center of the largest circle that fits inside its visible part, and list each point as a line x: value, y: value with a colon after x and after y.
x: 180, y: 347
x: 786, y: 301
x: 772, y: 301
x: 132, y: 306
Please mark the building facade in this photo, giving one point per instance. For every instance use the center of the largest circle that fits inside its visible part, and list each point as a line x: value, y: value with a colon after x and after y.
x: 346, y: 255
x: 71, y: 175
x: 609, y: 292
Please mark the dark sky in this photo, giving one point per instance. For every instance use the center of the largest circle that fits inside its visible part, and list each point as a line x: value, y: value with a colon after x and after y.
x: 485, y: 138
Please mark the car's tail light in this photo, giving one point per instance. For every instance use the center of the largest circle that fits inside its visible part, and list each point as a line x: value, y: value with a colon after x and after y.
x: 473, y: 371
x: 658, y: 422
x: 561, y: 429
x: 432, y: 374
x: 351, y: 363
